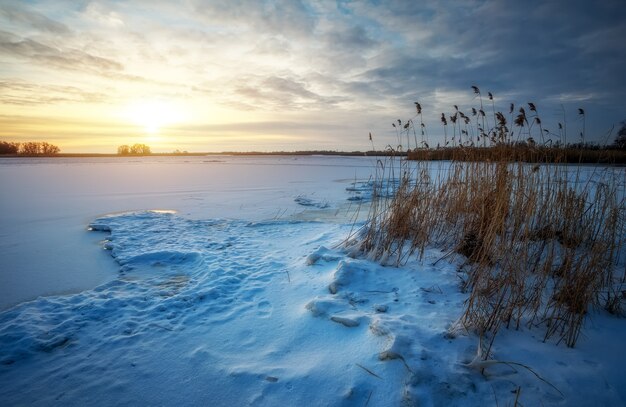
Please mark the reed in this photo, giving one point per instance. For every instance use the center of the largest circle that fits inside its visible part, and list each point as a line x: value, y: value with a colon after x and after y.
x: 539, y: 241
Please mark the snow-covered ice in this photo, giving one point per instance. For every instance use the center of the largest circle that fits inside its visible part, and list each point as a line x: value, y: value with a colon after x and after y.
x: 46, y: 205
x: 254, y: 302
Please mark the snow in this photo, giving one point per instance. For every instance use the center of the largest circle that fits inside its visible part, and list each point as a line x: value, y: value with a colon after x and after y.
x: 244, y: 296
x: 46, y: 205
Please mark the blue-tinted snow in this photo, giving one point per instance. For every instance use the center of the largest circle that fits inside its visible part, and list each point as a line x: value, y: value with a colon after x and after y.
x: 231, y: 312
x: 267, y: 310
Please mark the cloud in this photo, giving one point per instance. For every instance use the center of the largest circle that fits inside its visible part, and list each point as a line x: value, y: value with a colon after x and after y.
x: 354, y: 38
x: 29, y: 127
x: 298, y: 134
x: 285, y: 17
x: 17, y: 92
x: 68, y: 59
x: 265, y: 127
x: 98, y: 13
x: 32, y: 19
x: 269, y: 93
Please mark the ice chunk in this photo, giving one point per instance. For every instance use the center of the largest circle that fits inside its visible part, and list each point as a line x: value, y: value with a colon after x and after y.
x: 304, y: 201
x: 322, y: 253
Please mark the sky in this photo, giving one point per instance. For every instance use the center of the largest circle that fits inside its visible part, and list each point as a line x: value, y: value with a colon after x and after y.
x: 269, y: 75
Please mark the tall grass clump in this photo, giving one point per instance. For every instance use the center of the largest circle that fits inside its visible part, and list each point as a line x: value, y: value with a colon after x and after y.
x: 539, y: 244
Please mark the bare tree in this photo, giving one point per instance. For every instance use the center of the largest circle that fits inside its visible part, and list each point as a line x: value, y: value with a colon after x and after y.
x: 30, y: 148
x: 49, y: 149
x: 140, y: 149
x: 135, y: 149
x: 123, y: 150
x: 9, y: 148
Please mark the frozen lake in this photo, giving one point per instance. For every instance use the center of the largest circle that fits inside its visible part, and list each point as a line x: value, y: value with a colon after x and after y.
x: 46, y: 205
x: 245, y: 294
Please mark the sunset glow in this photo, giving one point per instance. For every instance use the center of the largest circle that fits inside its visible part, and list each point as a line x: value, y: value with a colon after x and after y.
x: 285, y: 75
x: 152, y: 115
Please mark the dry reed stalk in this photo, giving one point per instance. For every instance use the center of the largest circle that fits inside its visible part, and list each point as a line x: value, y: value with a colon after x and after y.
x: 541, y: 246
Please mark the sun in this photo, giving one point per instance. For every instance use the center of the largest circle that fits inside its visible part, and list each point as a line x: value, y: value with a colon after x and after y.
x: 152, y: 115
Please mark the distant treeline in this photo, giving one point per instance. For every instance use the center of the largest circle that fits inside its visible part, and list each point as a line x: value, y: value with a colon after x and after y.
x: 320, y: 152
x: 523, y: 152
x: 142, y: 149
x: 135, y: 149
x: 29, y: 148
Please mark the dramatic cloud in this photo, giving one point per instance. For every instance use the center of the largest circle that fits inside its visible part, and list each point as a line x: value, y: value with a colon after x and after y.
x: 70, y: 59
x: 344, y: 68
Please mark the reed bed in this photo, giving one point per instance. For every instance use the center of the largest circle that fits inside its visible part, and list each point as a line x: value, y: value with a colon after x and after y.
x: 523, y: 152
x: 539, y: 245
